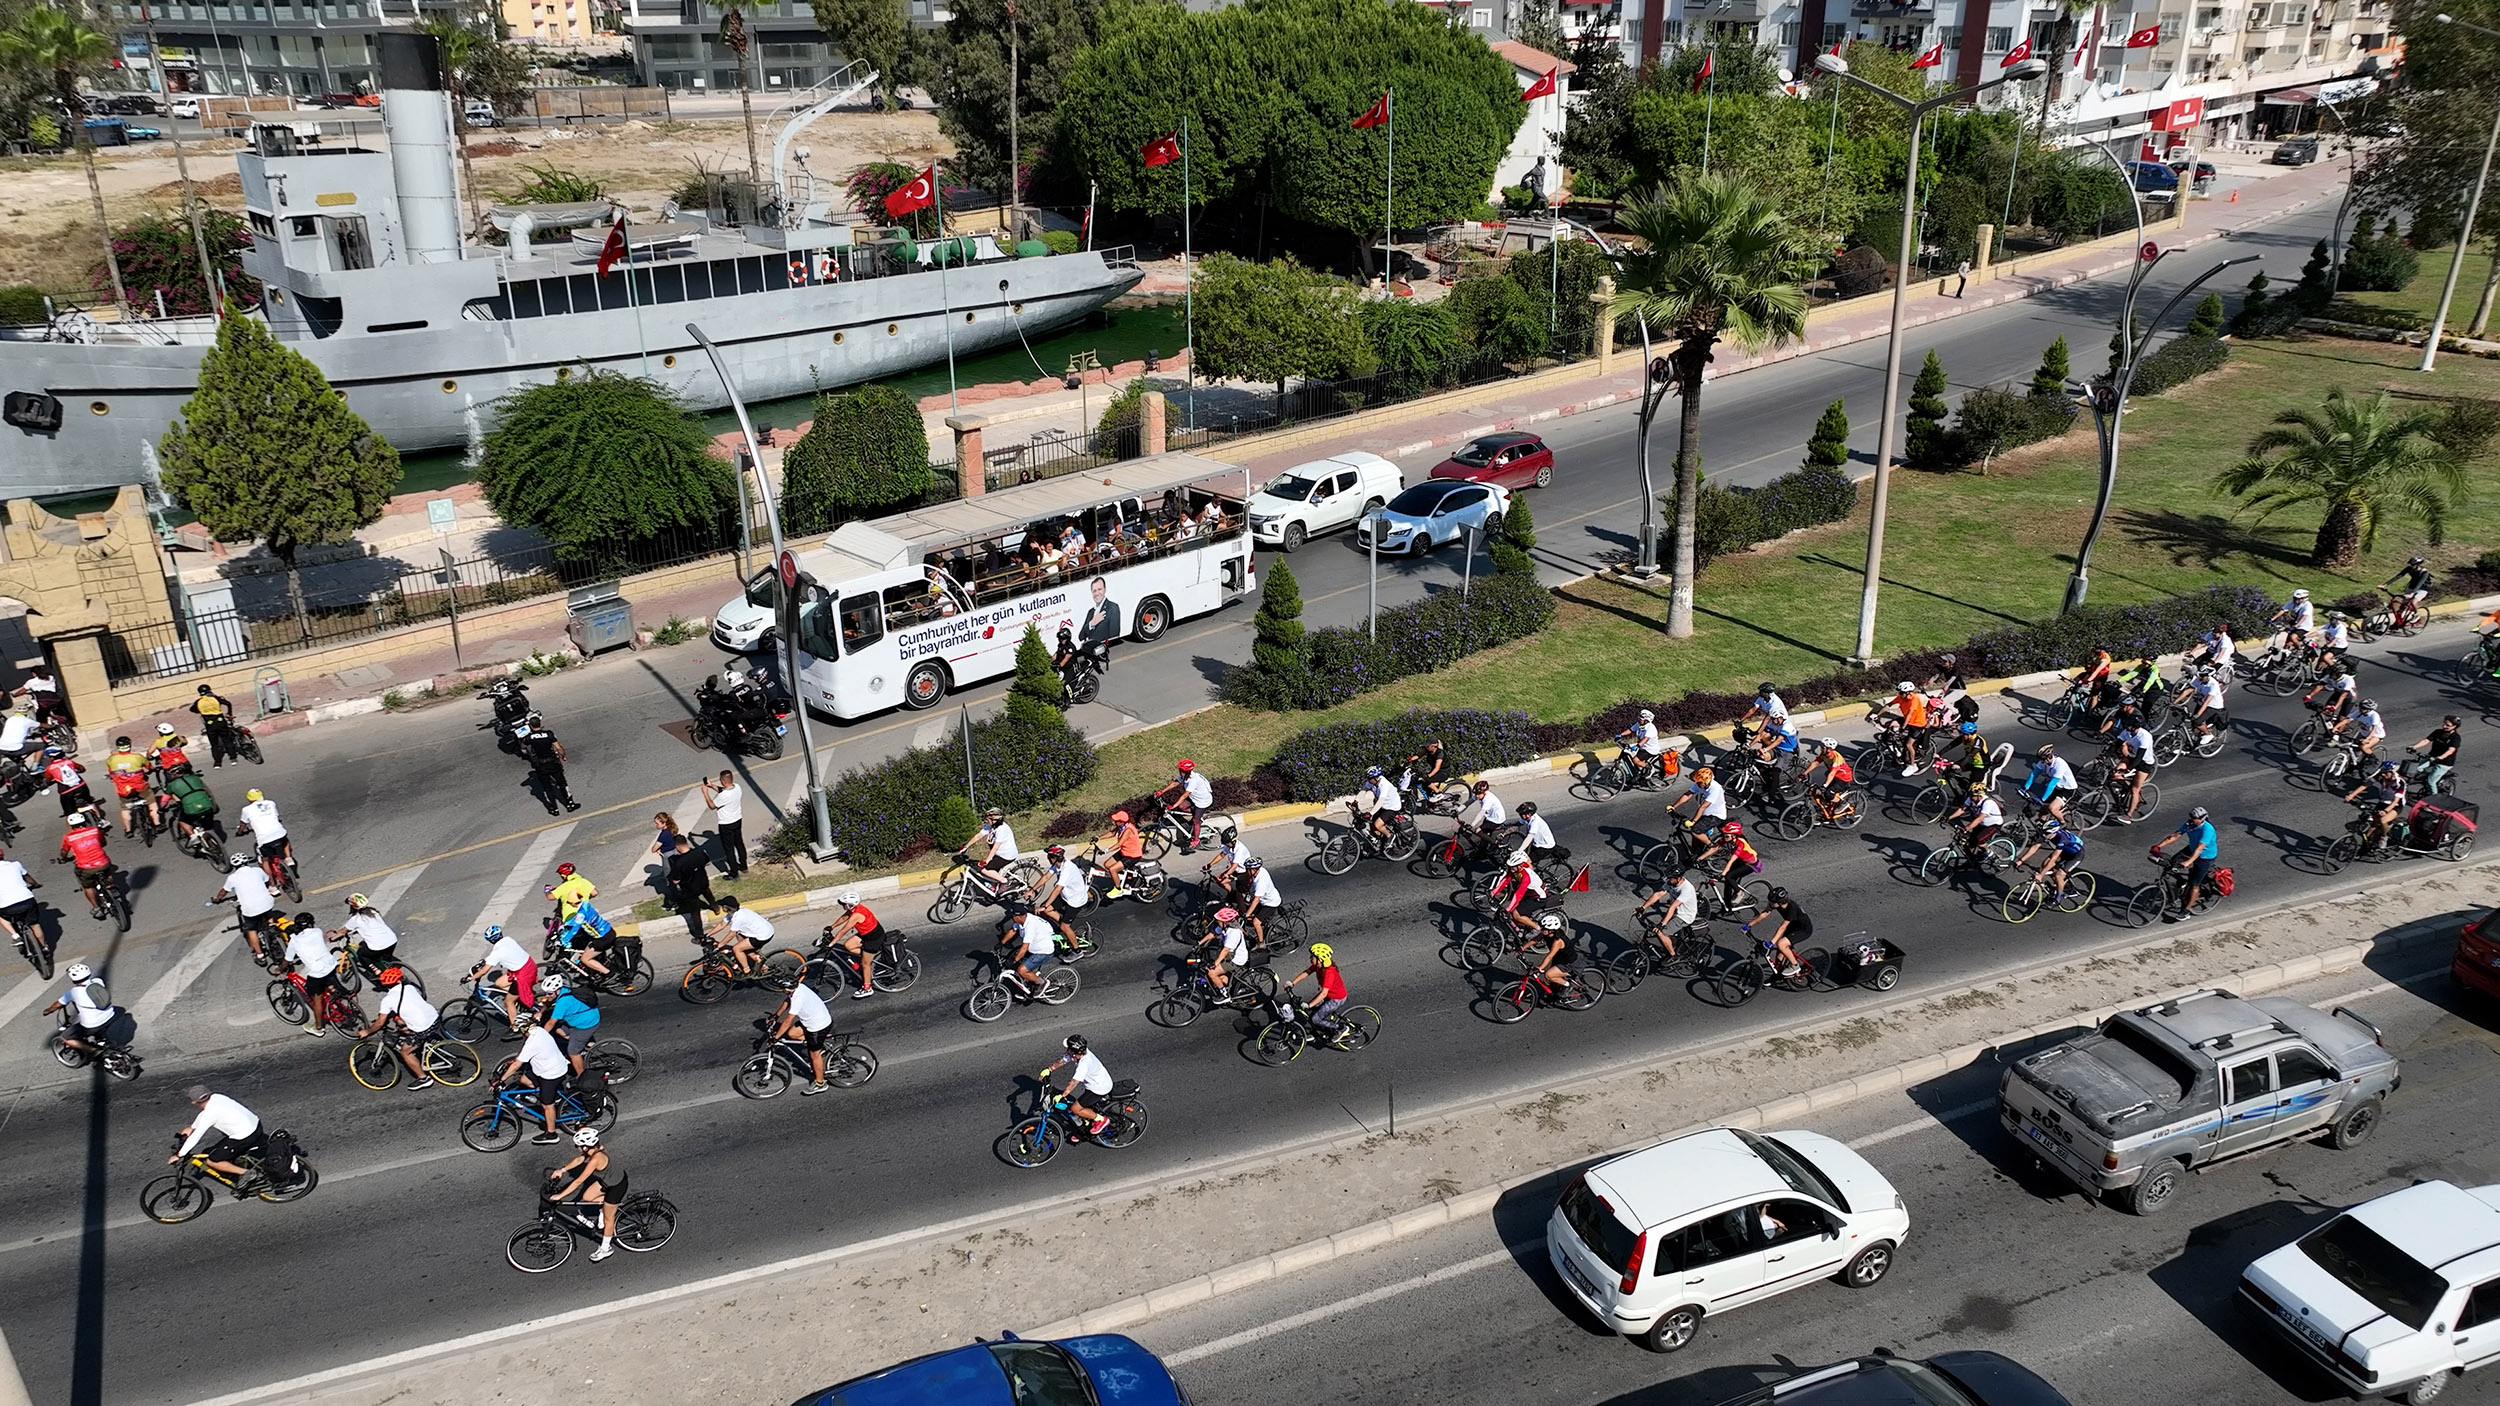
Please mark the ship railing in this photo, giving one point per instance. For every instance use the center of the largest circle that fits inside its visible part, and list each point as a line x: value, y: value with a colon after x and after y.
x: 1119, y: 256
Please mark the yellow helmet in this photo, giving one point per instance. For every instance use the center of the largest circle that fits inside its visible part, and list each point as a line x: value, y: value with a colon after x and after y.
x: 1703, y: 775
x: 1322, y: 953
x: 252, y: 795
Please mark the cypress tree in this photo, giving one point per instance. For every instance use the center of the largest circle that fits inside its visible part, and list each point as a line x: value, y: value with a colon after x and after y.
x: 1516, y: 540
x: 1828, y: 447
x: 1033, y: 699
x: 1924, y: 446
x: 2208, y: 320
x: 2055, y: 366
x: 1276, y: 631
x: 267, y: 449
x: 2252, y: 307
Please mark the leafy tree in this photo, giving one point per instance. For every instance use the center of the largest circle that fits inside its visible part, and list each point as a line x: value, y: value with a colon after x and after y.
x: 2055, y: 367
x: 1120, y: 432
x: 1033, y: 699
x: 874, y: 31
x: 1155, y: 68
x: 2208, y: 319
x: 735, y: 33
x: 265, y: 448
x: 1828, y: 447
x: 156, y: 254
x: 2430, y: 142
x: 968, y: 63
x: 1561, y: 297
x: 1541, y: 29
x: 1924, y: 446
x: 1416, y: 344
x: 1597, y: 140
x: 599, y: 461
x: 1274, y: 321
x: 2310, y: 293
x: 866, y: 452
x: 21, y: 305
x: 1511, y: 549
x: 1498, y: 317
x: 1276, y: 630
x: 52, y: 43
x: 2358, y: 461
x: 1718, y: 262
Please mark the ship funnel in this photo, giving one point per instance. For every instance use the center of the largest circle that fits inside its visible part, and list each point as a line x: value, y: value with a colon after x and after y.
x: 417, y: 113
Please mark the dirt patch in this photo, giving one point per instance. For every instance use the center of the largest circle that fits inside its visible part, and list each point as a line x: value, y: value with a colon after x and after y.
x: 479, y: 151
x: 226, y: 189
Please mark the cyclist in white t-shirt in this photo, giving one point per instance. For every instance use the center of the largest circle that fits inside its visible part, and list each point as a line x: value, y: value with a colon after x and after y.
x: 95, y: 1022
x: 1090, y: 1075
x: 410, y: 1017
x: 20, y: 917
x: 543, y: 1066
x: 1027, y: 941
x: 747, y: 932
x: 804, y: 1017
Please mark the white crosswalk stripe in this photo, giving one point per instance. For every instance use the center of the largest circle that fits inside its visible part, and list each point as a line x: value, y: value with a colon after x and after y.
x: 160, y: 997
x: 510, y: 895
x: 22, y: 995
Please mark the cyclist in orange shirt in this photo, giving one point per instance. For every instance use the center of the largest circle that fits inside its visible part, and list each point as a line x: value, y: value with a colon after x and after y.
x: 1912, y: 706
x: 1127, y: 844
x: 1829, y: 771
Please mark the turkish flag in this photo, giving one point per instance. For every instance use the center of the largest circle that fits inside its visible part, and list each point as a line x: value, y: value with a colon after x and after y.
x: 1376, y: 114
x: 1163, y: 151
x: 614, y: 249
x: 918, y: 194
x: 2144, y: 38
x: 1929, y: 58
x: 2015, y: 55
x: 1838, y: 45
x: 1702, y: 75
x: 1542, y: 88
x: 1579, y: 882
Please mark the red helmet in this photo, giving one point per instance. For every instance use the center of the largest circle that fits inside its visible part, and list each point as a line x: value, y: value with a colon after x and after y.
x: 1733, y: 827
x: 1228, y: 915
x: 565, y: 870
x: 1188, y: 765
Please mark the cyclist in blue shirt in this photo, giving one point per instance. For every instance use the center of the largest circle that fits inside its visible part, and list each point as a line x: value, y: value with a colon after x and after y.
x: 2064, y: 850
x: 2203, y: 847
x: 587, y: 936
x: 573, y: 1016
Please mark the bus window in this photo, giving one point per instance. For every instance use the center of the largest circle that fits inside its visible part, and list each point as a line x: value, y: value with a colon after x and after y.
x: 863, y: 624
x: 816, y: 634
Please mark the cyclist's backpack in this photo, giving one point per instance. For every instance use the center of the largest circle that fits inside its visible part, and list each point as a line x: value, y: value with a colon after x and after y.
x: 279, y: 1166
x: 2224, y: 882
x: 591, y: 1081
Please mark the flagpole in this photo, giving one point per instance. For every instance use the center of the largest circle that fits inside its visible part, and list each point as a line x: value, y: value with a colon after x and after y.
x: 1389, y: 212
x: 1189, y: 293
x: 1831, y: 136
x: 1710, y: 103
x: 1089, y: 216
x: 937, y: 195
x: 641, y: 344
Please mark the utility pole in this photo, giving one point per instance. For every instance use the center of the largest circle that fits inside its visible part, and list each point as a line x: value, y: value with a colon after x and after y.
x: 1015, y: 150
x: 182, y: 167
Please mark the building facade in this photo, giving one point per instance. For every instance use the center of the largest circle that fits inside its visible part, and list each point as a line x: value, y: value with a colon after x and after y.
x: 290, y: 48
x: 677, y: 45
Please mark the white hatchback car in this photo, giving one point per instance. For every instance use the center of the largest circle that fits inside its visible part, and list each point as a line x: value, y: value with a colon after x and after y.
x: 2394, y: 1297
x: 1435, y: 513
x: 1321, y: 496
x: 1654, y: 1241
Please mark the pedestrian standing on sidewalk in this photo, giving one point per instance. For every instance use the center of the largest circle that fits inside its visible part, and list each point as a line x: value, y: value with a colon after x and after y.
x: 1963, y: 275
x: 728, y: 804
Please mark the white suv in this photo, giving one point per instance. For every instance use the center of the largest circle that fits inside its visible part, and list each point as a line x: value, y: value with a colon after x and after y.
x: 1321, y: 496
x: 1655, y: 1240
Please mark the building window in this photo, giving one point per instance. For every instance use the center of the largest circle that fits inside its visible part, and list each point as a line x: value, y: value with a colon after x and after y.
x: 1835, y: 34
x: 1788, y: 34
x: 1953, y: 41
x: 1674, y: 32
x: 2000, y: 38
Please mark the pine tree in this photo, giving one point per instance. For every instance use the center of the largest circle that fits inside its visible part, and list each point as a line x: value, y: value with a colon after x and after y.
x: 1828, y: 448
x: 2118, y: 342
x: 2055, y: 367
x: 2310, y: 293
x: 2208, y: 320
x: 1924, y: 446
x: 1516, y: 540
x: 1033, y: 699
x: 1276, y: 631
x: 265, y: 448
x: 2253, y: 306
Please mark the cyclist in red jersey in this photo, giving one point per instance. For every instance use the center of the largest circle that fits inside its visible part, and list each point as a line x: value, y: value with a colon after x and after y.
x: 858, y: 932
x: 83, y: 848
x: 66, y: 778
x: 1331, y: 997
x: 1731, y: 860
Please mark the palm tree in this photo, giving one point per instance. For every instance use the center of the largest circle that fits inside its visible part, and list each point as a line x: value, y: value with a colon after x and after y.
x: 1719, y: 263
x: 733, y: 32
x: 454, y: 45
x: 2359, y: 461
x: 46, y: 41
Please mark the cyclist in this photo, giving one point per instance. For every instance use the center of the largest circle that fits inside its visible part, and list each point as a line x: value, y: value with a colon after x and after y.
x: 260, y: 816
x: 1709, y: 801
x: 1731, y: 859
x: 1910, y: 706
x: 2094, y: 679
x: 803, y: 1016
x: 83, y: 848
x: 1089, y: 1074
x: 1766, y: 710
x: 2063, y: 850
x: 184, y: 798
x: 2050, y: 784
x: 20, y: 917
x: 2366, y: 728
x: 2439, y: 752
x: 1829, y: 771
x: 510, y: 970
x: 1984, y: 818
x: 217, y: 720
x: 410, y: 1018
x: 1976, y: 757
x: 2197, y: 856
x: 2292, y: 621
x: 856, y: 931
x: 1777, y: 741
x: 1554, y: 931
x: 590, y: 1186
x: 1949, y: 685
x: 1231, y: 852
x: 1386, y: 802
x: 2416, y: 577
x: 1063, y: 890
x: 2142, y: 684
x: 127, y: 769
x: 255, y: 906
x: 1429, y: 770
x: 1329, y: 996
x: 1227, y: 948
x: 2336, y: 638
x: 1027, y: 942
x: 1519, y: 894
x: 2131, y: 760
x: 586, y: 937
x: 308, y: 952
x: 1127, y: 846
x: 2334, y: 696
x: 1642, y: 746
x: 570, y: 891
x: 1536, y: 838
x: 1254, y: 893
x: 2208, y: 706
x: 2386, y: 790
x: 1491, y: 815
x: 224, y: 1132
x: 2216, y: 649
x: 1683, y: 907
x: 43, y: 694
x: 1790, y: 926
x: 169, y: 757
x: 16, y: 730
x: 1188, y: 793
x: 746, y: 931
x: 95, y: 1023
x: 540, y: 1064
x: 67, y: 780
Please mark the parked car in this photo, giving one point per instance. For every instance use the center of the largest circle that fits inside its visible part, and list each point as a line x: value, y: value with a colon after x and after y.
x: 1654, y: 1241
x: 2476, y: 966
x: 1971, y: 1378
x: 2151, y: 177
x: 107, y: 131
x: 2154, y: 1092
x: 1435, y: 513
x: 187, y: 108
x: 2395, y: 1297
x: 478, y: 112
x: 2204, y: 170
x: 1321, y: 496
x: 1104, y: 1369
x: 1511, y: 460
x: 2299, y: 151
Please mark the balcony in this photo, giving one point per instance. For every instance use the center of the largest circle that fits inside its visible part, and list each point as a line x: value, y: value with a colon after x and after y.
x: 1886, y: 10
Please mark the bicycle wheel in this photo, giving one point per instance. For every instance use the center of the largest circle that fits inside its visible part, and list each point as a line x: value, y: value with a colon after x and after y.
x: 374, y: 1064
x: 784, y: 969
x: 1939, y: 865
x: 1848, y: 808
x: 1661, y: 859
x: 2077, y: 894
x: 1058, y: 986
x: 1591, y: 779
x: 600, y: 1110
x: 988, y: 1001
x: 2092, y: 808
x: 469, y: 1023
x: 1357, y: 1027
x: 1814, y: 966
x: 2345, y: 849
x: 645, y: 1223
x: 1582, y: 988
x: 452, y: 1064
x: 1031, y: 1142
x: 1793, y: 821
x: 539, y: 1248
x: 1483, y: 947
x: 2168, y: 746
x: 1627, y: 970
x: 2146, y: 904
x: 2023, y: 900
x: 1338, y: 855
x: 634, y: 980
x: 1401, y: 846
x: 761, y: 1077
x: 288, y: 1003
x: 1172, y: 1011
x: 1740, y: 982
x: 1127, y: 1124
x: 1929, y: 804
x: 704, y: 986
x: 953, y: 902
x: 491, y: 1128
x: 1278, y: 1044
x: 1511, y: 1004
x: 171, y: 1200
x: 850, y: 1066
x: 2209, y: 743
x: 247, y: 747
x: 2309, y: 736
x: 618, y: 1059
x: 1440, y: 859
x: 897, y: 970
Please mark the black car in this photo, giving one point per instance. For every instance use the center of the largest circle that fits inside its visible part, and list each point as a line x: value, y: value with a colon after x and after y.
x: 1946, y: 1379
x: 2299, y: 151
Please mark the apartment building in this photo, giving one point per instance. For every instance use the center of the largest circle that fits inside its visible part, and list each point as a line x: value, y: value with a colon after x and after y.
x: 677, y: 44
x: 552, y: 21
x: 295, y: 48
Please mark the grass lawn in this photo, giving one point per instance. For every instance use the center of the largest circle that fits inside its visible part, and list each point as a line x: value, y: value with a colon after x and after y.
x: 2421, y: 296
x: 1964, y: 554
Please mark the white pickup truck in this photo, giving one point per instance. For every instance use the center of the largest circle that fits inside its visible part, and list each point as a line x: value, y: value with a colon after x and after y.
x: 1321, y: 496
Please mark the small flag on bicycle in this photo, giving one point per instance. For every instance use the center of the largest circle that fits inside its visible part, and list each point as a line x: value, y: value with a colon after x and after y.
x: 1579, y: 882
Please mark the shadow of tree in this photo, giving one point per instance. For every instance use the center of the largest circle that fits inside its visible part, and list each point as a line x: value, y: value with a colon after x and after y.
x: 2210, y: 539
x: 1858, y: 569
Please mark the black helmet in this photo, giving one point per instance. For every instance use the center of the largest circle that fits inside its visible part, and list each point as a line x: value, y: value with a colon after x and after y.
x: 1527, y: 807
x: 205, y: 690
x: 1765, y: 688
x: 306, y: 920
x: 1433, y: 746
x: 2417, y: 561
x: 1066, y: 634
x: 1075, y: 1044
x: 1779, y: 895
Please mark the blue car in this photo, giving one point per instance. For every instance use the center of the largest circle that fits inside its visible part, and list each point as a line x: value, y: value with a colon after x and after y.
x: 2150, y: 176
x: 1102, y: 1370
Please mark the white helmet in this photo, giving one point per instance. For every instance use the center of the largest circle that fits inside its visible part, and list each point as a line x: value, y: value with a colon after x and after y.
x: 848, y: 898
x: 549, y: 986
x: 2301, y: 594
x: 586, y: 1138
x: 80, y: 973
x: 1905, y: 686
x: 1829, y: 744
x: 1648, y: 716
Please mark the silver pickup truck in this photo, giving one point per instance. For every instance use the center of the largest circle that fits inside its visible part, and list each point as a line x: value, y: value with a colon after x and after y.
x: 2154, y: 1092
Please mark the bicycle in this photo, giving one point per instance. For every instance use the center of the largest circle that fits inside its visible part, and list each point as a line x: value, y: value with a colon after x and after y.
x: 111, y: 901
x: 239, y: 741
x: 1581, y: 988
x: 629, y: 973
x: 2343, y: 766
x: 1038, y: 1136
x: 1593, y: 780
x: 32, y: 946
x: 183, y: 1194
x: 897, y: 967
x: 498, y: 1126
x: 992, y: 994
x: 1499, y: 940
x: 1195, y: 995
x: 2474, y: 666
x: 116, y: 1058
x: 1459, y: 852
x: 1281, y: 1041
x: 1696, y: 949
x: 284, y: 874
x: 375, y: 1062
x: 2100, y: 801
x: 1340, y: 852
x: 1843, y: 808
x: 292, y: 999
x: 1940, y: 865
x: 1283, y: 929
x: 967, y: 886
x: 715, y: 973
x: 479, y: 1014
x: 2181, y: 738
x: 2397, y: 615
x: 2168, y: 893
x: 645, y: 1221
x: 2028, y: 895
x: 779, y: 1062
x: 2399, y: 840
x: 1743, y: 979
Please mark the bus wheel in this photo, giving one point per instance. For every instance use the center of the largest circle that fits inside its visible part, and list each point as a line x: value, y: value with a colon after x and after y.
x: 924, y: 685
x: 1154, y: 616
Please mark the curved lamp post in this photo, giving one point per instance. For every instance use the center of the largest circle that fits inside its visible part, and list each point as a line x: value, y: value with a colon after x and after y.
x: 2473, y: 206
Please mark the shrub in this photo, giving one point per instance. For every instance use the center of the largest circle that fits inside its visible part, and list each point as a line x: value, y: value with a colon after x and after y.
x: 1417, y: 345
x: 2177, y: 362
x: 1320, y: 763
x: 890, y: 809
x: 954, y: 824
x: 1926, y: 445
x: 1498, y: 318
x: 1061, y: 241
x: 2252, y: 308
x: 1724, y: 522
x: 1861, y: 271
x: 1808, y: 497
x: 2466, y: 427
x: 550, y: 184
x: 1416, y: 638
x: 2056, y: 364
x: 2208, y: 319
x: 2488, y: 563
x: 1518, y: 538
x: 1828, y: 446
x: 1033, y: 698
x: 1992, y: 421
x: 1121, y: 432
x: 2378, y: 264
x: 867, y: 451
x: 21, y: 305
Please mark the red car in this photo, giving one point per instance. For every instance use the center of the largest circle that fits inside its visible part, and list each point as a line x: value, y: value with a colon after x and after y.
x: 2477, y: 963
x: 1511, y: 460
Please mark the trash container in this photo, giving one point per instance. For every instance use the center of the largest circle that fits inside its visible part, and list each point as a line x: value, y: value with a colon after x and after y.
x: 600, y: 618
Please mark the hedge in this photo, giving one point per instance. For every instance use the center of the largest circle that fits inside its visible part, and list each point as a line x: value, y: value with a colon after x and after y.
x: 892, y: 809
x: 1339, y: 663
x: 2177, y: 362
x: 1323, y: 762
x: 1729, y: 520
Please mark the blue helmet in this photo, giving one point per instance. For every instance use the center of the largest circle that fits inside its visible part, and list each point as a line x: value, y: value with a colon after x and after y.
x: 492, y: 935
x: 1373, y: 774
x: 1970, y: 729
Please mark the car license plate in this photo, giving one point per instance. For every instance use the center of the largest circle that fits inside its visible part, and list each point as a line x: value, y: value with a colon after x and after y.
x: 2049, y: 1144
x: 1578, y: 1280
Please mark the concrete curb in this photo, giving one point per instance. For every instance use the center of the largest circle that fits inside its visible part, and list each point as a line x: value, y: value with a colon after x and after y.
x: 1469, y: 1205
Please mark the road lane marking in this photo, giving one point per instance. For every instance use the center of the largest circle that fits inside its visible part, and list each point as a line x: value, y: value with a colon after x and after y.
x: 516, y: 886
x: 1295, y: 1323
x: 22, y: 995
x: 384, y: 895
x: 1922, y: 1124
x: 203, y: 954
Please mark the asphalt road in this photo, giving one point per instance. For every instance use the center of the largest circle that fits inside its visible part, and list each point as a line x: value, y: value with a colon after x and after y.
x: 407, y: 1226
x: 2113, y: 1309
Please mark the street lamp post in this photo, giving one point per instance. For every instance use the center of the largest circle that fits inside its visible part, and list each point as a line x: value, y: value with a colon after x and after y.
x: 2473, y: 206
x: 1838, y: 67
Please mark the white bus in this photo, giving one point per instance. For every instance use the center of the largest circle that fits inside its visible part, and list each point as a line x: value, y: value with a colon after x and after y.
x: 910, y: 606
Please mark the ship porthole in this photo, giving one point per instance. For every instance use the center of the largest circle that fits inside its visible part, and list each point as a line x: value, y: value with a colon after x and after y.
x: 97, y: 407
x: 967, y: 317
x: 889, y: 329
x: 837, y: 339
x: 564, y: 373
x: 450, y: 386
x: 1018, y: 309
x: 669, y: 362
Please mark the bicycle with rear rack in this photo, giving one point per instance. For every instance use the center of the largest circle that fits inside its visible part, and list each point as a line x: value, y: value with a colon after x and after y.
x: 1594, y: 780
x: 1181, y: 1002
x: 1037, y: 1137
x: 780, y: 1061
x: 715, y: 973
x: 2167, y: 893
x: 645, y: 1221
x: 498, y: 1126
x: 278, y: 1175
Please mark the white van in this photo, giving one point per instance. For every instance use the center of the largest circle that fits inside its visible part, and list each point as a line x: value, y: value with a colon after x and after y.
x: 1654, y: 1241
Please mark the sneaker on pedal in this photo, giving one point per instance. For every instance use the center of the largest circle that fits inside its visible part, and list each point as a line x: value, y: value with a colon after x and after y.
x: 1909, y: 771
x: 816, y: 1088
x: 546, y: 1139
x: 1099, y: 1124
x: 421, y: 1084
x: 862, y: 994
x: 606, y: 1248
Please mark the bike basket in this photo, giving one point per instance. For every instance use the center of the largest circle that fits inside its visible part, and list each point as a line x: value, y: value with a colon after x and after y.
x: 2224, y: 882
